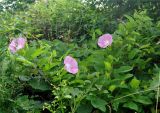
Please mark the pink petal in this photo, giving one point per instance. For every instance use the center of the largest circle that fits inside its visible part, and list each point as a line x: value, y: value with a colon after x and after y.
x: 71, y: 69
x: 74, y: 70
x: 67, y: 59
x: 21, y: 43
x: 70, y: 60
x: 105, y: 40
x: 12, y: 46
x: 16, y: 44
x: 71, y: 65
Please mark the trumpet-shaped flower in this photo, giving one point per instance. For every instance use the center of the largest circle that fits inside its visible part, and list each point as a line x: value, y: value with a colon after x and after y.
x: 105, y: 40
x: 17, y: 44
x: 71, y: 65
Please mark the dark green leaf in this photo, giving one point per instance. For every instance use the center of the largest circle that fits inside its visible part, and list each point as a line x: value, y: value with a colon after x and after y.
x: 131, y: 105
x: 84, y: 108
x: 143, y: 100
x: 98, y: 103
x: 39, y: 84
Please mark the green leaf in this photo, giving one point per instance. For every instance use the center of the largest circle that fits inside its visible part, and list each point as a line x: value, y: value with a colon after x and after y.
x: 129, y: 18
x: 133, y: 53
x: 37, y: 52
x: 112, y: 88
x: 27, y: 104
x: 155, y: 82
x: 134, y: 83
x: 145, y: 46
x: 115, y: 105
x: 54, y: 53
x: 24, y: 78
x: 124, y: 77
x: 75, y: 92
x: 39, y: 84
x: 68, y: 96
x: 98, y: 31
x: 85, y: 108
x: 24, y: 61
x: 143, y: 100
x: 108, y: 66
x: 77, y: 81
x: 124, y: 69
x: 48, y: 66
x: 131, y: 105
x: 98, y: 103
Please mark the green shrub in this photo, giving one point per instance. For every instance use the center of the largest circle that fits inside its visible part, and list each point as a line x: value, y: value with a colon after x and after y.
x: 59, y: 20
x: 121, y: 78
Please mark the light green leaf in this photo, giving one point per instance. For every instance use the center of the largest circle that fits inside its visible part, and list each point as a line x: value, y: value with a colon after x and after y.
x: 54, y: 53
x: 37, y: 52
x: 24, y: 78
x: 24, y: 61
x: 68, y: 96
x: 124, y: 69
x: 134, y: 83
x: 124, y: 77
x: 145, y: 46
x: 98, y: 31
x: 108, y: 66
x: 129, y: 18
x: 48, y: 66
x: 112, y: 88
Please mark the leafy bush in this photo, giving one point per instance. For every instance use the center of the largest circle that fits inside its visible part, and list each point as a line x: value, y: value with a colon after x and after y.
x: 13, y: 25
x: 59, y: 20
x: 14, y: 5
x: 117, y: 8
x: 123, y: 77
x: 120, y: 78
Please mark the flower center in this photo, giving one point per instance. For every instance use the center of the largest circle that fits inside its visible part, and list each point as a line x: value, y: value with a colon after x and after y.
x: 106, y: 42
x: 68, y: 65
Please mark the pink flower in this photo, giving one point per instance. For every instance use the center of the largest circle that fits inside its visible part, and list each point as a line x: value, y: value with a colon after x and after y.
x: 71, y: 65
x: 17, y: 44
x: 105, y: 40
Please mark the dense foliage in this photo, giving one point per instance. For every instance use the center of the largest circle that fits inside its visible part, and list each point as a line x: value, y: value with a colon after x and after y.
x: 121, y: 78
x: 15, y: 5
